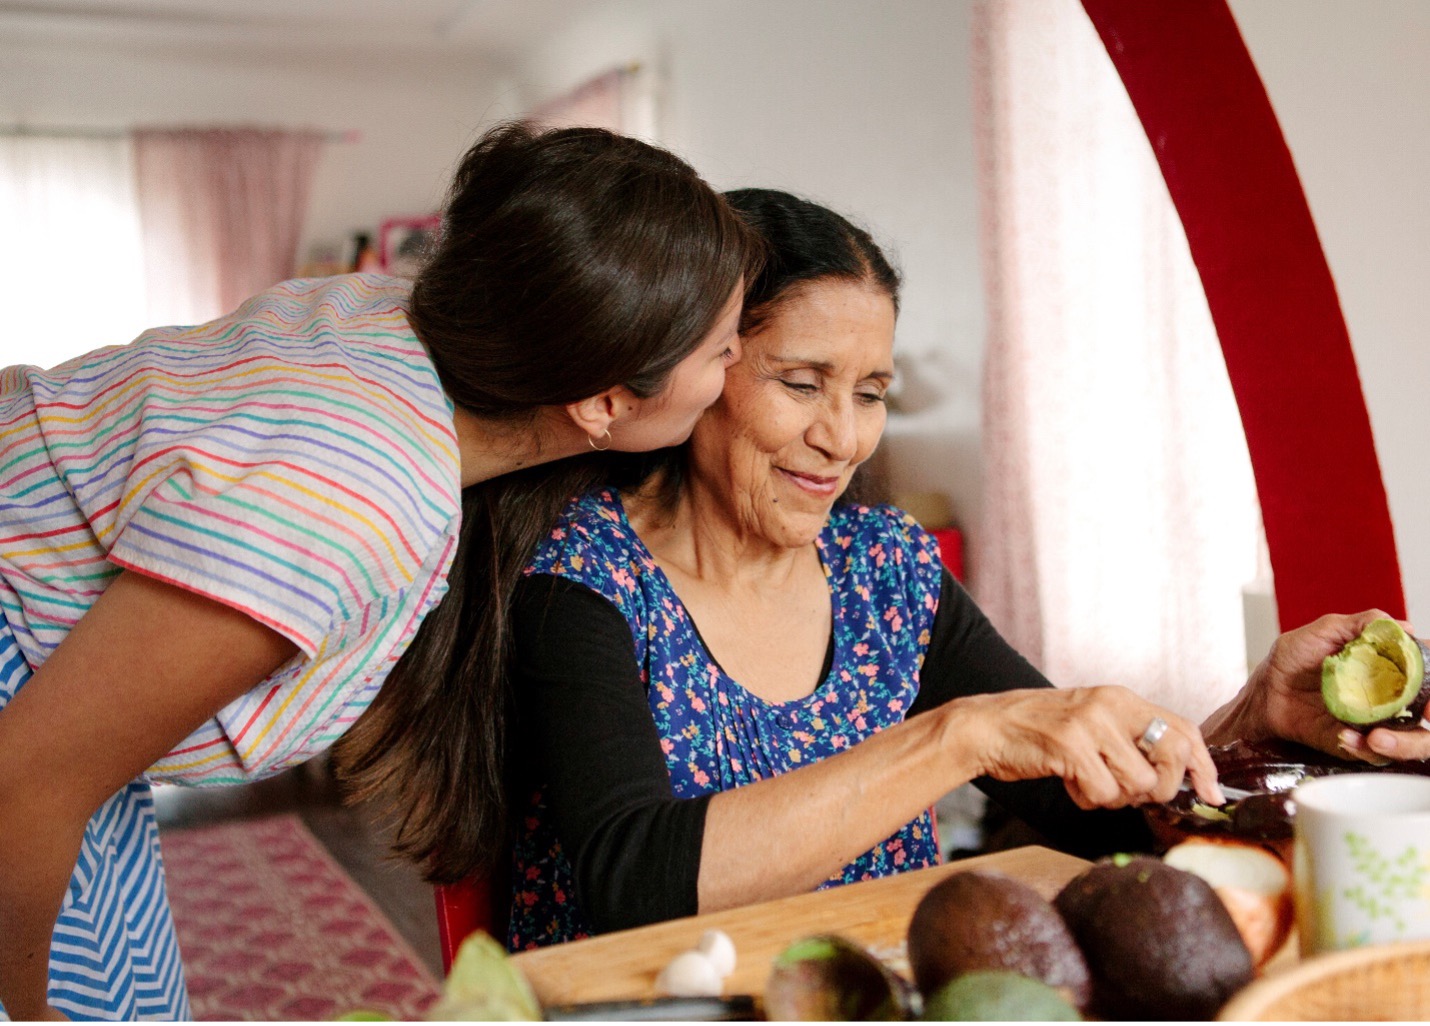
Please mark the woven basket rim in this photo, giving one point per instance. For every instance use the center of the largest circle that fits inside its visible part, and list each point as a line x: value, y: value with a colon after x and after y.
x: 1254, y: 1000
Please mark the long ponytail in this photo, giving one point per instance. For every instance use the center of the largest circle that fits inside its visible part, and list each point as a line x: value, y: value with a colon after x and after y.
x: 569, y: 262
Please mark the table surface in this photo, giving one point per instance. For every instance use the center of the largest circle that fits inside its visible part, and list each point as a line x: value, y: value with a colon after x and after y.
x: 876, y: 913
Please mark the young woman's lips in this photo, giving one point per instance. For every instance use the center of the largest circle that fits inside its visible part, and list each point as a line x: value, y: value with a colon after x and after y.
x: 814, y: 484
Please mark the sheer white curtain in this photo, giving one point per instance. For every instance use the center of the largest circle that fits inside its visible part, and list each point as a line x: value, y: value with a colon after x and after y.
x: 71, y: 261
x: 1120, y: 516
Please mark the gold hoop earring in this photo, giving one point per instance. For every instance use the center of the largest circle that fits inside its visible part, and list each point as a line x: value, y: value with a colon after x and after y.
x: 600, y: 448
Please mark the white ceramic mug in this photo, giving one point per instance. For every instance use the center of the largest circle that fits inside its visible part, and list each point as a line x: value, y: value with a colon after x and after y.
x: 1362, y: 860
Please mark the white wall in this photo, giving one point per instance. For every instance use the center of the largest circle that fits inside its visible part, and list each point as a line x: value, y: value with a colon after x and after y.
x: 862, y: 106
x: 1350, y: 82
x: 414, y: 114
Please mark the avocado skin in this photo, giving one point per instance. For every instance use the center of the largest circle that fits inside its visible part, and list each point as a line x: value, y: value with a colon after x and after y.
x: 827, y: 978
x: 997, y: 995
x: 1160, y: 942
x: 979, y: 920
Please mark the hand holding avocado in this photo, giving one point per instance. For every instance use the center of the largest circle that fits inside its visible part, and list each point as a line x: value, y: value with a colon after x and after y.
x: 1285, y: 697
x: 1089, y: 738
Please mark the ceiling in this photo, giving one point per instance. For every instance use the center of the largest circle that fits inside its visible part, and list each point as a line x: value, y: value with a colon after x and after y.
x: 496, y: 29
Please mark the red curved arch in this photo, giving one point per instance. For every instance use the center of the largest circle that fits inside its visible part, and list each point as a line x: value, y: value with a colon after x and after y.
x: 1272, y: 299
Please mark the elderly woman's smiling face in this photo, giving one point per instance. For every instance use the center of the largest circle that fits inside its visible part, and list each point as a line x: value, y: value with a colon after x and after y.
x: 801, y: 411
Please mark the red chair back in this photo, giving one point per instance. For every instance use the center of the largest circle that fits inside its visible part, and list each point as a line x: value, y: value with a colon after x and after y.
x: 466, y: 907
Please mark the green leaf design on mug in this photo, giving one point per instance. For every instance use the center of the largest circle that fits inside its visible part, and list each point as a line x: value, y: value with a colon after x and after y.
x: 1390, y: 883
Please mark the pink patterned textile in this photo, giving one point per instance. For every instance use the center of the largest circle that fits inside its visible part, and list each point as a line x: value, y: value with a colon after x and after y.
x: 272, y: 929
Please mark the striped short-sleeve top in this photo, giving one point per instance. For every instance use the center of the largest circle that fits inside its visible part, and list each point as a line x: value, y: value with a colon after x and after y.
x: 295, y: 460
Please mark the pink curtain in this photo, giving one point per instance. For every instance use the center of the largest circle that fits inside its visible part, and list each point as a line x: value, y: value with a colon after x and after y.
x: 595, y: 104
x: 1120, y: 524
x: 221, y: 212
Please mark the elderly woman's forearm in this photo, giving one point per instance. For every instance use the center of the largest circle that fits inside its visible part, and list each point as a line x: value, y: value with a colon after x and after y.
x: 788, y: 834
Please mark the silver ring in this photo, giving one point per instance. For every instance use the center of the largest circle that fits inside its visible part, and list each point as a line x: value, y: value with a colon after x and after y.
x: 1152, y: 735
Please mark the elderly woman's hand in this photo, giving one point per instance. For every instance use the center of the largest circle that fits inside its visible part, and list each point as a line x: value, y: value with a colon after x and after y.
x: 1282, y: 699
x: 1089, y: 738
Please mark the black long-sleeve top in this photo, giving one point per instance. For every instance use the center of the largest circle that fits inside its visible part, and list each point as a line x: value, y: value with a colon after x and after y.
x: 593, y: 748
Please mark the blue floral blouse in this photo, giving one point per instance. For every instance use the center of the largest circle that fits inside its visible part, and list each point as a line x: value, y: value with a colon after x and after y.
x: 884, y: 578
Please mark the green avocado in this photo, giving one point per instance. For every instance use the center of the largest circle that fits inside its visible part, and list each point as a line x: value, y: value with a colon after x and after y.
x: 997, y: 995
x: 830, y: 979
x: 979, y: 920
x: 1378, y: 677
x: 1159, y: 942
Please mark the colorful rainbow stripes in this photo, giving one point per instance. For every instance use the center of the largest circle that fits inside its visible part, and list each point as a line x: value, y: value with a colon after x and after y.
x: 295, y: 460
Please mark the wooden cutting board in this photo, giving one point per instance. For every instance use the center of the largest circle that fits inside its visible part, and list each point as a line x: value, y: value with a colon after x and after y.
x: 876, y: 913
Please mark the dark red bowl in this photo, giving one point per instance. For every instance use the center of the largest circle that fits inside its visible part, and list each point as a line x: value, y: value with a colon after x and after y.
x: 1269, y: 770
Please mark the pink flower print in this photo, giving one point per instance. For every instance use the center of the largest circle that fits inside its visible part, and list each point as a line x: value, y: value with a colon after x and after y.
x: 844, y: 541
x: 877, y: 554
x: 723, y: 698
x: 666, y: 694
x: 560, y: 896
x: 845, y: 676
x: 839, y: 741
x: 701, y: 778
x: 869, y: 670
x: 861, y: 723
x: 898, y: 556
x: 737, y: 765
x: 624, y: 579
x: 900, y: 857
x: 697, y: 703
x: 667, y: 745
x: 558, y: 534
x: 861, y: 649
x: 533, y: 872
x: 893, y: 619
x: 924, y: 556
x: 896, y: 705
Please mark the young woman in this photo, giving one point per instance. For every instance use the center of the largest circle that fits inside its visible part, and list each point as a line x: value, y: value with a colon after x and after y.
x: 221, y: 545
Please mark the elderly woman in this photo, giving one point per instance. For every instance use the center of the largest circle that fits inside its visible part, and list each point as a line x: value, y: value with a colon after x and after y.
x: 737, y: 688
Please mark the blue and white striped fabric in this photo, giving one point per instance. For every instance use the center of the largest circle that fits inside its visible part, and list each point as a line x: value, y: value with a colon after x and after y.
x: 114, y: 955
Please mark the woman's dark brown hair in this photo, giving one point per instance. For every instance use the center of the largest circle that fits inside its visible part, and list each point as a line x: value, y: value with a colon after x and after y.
x: 804, y: 244
x: 569, y: 262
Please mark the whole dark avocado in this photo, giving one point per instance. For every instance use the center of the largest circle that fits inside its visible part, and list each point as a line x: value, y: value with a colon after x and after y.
x: 1159, y: 942
x: 978, y: 920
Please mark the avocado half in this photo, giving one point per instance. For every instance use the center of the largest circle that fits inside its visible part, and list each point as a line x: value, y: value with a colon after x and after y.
x: 1378, y: 677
